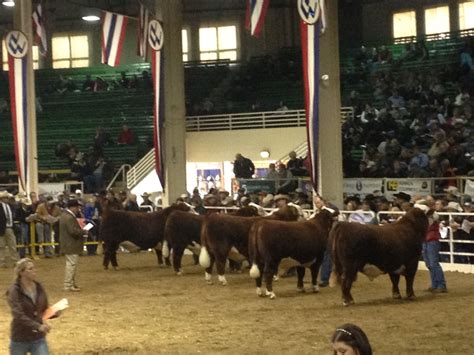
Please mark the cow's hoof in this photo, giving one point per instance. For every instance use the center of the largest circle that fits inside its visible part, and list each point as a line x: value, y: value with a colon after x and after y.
x: 396, y: 296
x: 106, y: 267
x: 315, y: 288
x: 179, y: 273
x: 347, y: 303
x: 276, y: 278
x: 300, y: 290
x: 116, y: 268
x: 411, y: 298
x: 259, y: 292
x: 209, y: 282
x: 270, y: 294
x: 161, y: 266
x: 222, y: 280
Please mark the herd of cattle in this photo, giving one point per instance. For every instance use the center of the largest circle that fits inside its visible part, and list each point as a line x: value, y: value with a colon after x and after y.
x: 266, y: 242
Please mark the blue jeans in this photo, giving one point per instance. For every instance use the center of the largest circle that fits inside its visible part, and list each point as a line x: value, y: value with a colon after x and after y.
x: 326, y: 267
x: 431, y: 258
x: 37, y: 347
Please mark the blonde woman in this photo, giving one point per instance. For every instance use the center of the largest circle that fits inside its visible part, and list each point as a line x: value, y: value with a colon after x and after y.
x: 28, y: 302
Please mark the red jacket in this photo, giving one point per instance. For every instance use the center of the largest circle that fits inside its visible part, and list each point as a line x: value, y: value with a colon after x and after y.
x: 433, y: 233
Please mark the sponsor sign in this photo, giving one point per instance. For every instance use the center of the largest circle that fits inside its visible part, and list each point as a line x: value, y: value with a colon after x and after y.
x: 361, y: 187
x: 409, y: 186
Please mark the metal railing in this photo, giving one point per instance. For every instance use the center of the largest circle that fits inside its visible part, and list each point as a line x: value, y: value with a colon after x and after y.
x: 120, y: 172
x: 141, y: 169
x: 253, y: 120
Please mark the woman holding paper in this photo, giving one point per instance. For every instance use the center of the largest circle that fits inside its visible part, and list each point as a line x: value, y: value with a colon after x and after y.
x: 28, y: 302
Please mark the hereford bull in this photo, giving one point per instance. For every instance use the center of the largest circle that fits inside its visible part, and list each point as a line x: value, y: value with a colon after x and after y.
x: 371, y: 249
x: 300, y: 244
x: 221, y: 234
x: 183, y: 231
x: 146, y: 230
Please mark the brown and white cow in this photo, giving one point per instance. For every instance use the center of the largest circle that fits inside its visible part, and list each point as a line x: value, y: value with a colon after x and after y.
x: 301, y: 244
x: 183, y: 231
x: 371, y: 249
x: 146, y: 230
x: 225, y: 236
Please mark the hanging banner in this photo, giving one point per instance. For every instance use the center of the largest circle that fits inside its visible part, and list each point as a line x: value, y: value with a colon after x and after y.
x: 155, y: 39
x: 142, y: 32
x: 310, y: 11
x: 40, y: 32
x: 113, y: 36
x: 255, y: 15
x: 17, y: 48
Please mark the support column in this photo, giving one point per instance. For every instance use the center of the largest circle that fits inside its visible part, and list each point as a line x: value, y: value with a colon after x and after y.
x: 330, y: 146
x: 22, y: 22
x: 170, y: 12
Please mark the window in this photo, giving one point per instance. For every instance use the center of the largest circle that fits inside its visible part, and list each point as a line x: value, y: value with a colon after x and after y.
x: 70, y: 51
x: 404, y: 24
x: 184, y: 39
x: 466, y: 15
x: 437, y: 20
x: 218, y: 43
x: 5, y: 57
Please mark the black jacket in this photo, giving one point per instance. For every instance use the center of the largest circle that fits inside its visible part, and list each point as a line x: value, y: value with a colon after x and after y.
x: 244, y: 168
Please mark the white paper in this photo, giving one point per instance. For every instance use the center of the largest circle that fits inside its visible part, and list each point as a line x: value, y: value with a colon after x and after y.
x: 466, y: 226
x: 88, y: 227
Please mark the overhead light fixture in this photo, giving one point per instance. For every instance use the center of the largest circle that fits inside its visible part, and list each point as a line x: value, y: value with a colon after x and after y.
x: 90, y: 14
x: 265, y: 154
x: 91, y: 18
x: 9, y: 3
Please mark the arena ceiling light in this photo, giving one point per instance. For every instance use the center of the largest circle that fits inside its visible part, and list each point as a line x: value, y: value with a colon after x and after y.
x: 265, y: 154
x: 9, y: 3
x: 90, y: 14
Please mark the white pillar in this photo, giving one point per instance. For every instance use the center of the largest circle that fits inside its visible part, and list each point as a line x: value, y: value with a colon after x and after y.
x: 170, y: 13
x: 22, y: 22
x: 330, y: 146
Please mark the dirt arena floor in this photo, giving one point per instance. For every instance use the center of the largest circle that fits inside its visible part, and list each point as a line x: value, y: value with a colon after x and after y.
x: 143, y: 309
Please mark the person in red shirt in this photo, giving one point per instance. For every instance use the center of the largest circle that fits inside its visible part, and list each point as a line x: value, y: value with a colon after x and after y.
x: 126, y: 136
x: 431, y: 247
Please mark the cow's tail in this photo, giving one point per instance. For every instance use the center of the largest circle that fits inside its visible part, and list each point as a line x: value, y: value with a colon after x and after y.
x: 336, y: 273
x: 204, y: 257
x: 253, y: 251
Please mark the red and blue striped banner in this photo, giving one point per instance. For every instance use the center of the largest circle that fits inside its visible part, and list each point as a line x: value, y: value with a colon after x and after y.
x: 310, y: 11
x: 255, y: 15
x: 113, y: 36
x: 155, y: 39
x: 17, y: 48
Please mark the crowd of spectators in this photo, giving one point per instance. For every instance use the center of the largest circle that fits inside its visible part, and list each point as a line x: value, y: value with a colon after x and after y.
x: 124, y: 82
x: 414, y: 125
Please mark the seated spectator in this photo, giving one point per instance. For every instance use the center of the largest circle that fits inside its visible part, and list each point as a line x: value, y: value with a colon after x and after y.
x: 102, y: 138
x: 295, y: 165
x: 131, y: 203
x: 133, y: 82
x: 282, y: 107
x: 422, y: 52
x: 384, y: 55
x: 272, y: 174
x: 123, y: 81
x: 286, y: 182
x: 147, y: 201
x: 126, y: 137
x: 88, y: 84
x: 100, y: 84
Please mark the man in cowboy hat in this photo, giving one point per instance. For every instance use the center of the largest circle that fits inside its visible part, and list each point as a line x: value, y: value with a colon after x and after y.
x: 72, y: 242
x: 147, y: 201
x: 7, y: 237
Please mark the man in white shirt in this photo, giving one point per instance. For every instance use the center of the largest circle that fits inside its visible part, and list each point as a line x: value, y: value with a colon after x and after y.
x: 7, y: 237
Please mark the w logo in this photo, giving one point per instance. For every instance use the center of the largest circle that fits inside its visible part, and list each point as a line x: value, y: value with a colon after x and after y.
x: 309, y: 10
x: 155, y: 35
x: 17, y: 44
